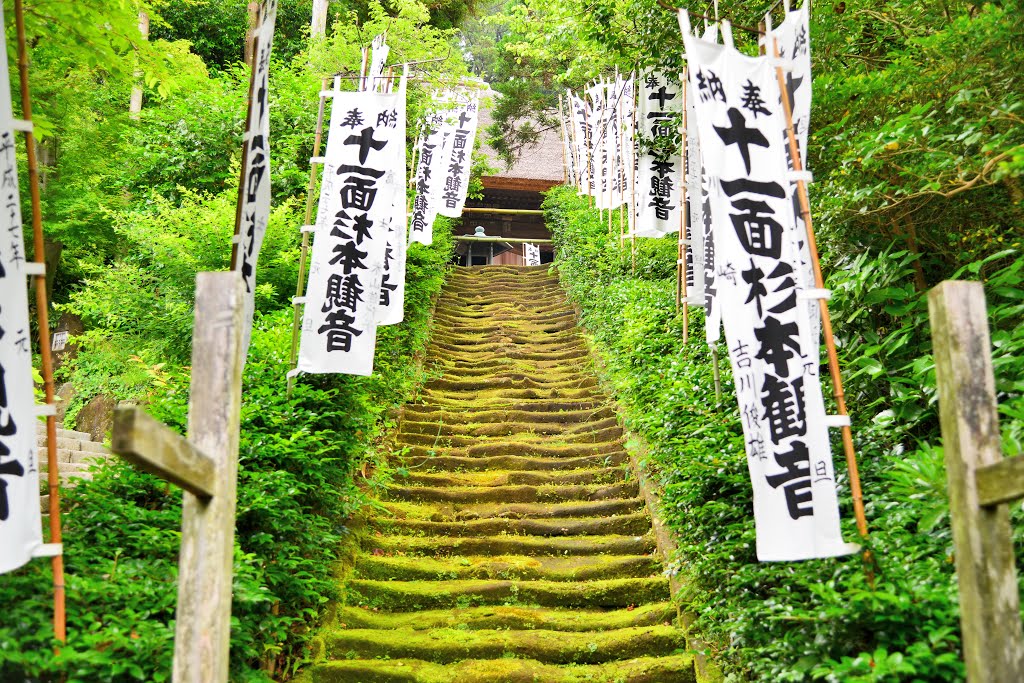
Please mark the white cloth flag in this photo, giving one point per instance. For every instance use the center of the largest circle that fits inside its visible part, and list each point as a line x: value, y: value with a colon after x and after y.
x: 774, y: 363
x: 20, y: 521
x: 660, y: 175
x: 567, y: 150
x: 379, y: 51
x: 580, y: 122
x: 433, y: 148
x: 254, y: 189
x: 362, y: 175
x: 460, y: 158
x: 695, y: 252
x: 599, y: 144
x: 531, y: 254
x: 793, y: 42
x: 391, y: 308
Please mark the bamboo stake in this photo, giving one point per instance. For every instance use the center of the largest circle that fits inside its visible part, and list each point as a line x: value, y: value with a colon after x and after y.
x: 42, y: 310
x: 300, y: 285
x: 681, y: 270
x: 826, y: 320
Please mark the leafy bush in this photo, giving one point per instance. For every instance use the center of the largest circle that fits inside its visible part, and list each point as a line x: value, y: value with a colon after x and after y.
x: 297, y: 485
x: 816, y: 620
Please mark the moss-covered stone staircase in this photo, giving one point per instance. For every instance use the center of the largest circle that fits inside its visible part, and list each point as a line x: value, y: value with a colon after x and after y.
x: 517, y: 548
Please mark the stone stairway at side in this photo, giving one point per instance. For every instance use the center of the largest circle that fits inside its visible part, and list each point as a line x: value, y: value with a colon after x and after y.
x: 76, y: 452
x: 517, y: 548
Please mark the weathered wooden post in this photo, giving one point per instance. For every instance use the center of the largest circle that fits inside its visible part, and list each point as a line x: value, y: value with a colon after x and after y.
x: 206, y: 467
x: 980, y: 481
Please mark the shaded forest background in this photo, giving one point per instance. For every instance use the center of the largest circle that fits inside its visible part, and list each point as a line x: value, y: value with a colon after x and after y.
x: 917, y: 149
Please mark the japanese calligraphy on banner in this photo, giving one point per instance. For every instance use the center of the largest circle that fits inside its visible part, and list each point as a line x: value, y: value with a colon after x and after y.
x: 581, y: 125
x: 254, y: 188
x: 390, y: 309
x: 362, y: 175
x: 695, y: 251
x: 599, y: 110
x: 792, y: 39
x: 460, y: 157
x: 433, y: 152
x: 565, y: 121
x: 379, y: 51
x: 531, y: 254
x: 774, y: 362
x: 20, y: 521
x: 659, y: 175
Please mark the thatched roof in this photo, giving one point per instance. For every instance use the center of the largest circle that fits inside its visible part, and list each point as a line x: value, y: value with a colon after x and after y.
x: 539, y: 164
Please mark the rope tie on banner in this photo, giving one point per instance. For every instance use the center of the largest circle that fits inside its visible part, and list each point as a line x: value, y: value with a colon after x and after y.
x: 813, y: 293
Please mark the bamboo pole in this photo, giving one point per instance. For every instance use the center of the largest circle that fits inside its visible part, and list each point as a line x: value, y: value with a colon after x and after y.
x: 826, y: 320
x: 300, y: 285
x: 681, y: 270
x: 42, y: 310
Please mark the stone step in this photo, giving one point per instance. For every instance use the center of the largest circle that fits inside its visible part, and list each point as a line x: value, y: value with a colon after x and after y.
x: 437, y: 463
x: 519, y: 567
x: 513, y: 494
x: 669, y: 669
x: 63, y: 433
x: 506, y: 427
x: 400, y: 595
x: 551, y: 647
x: 535, y: 546
x: 509, y: 617
x: 66, y: 470
x: 528, y: 450
x: 455, y: 513
x: 520, y: 438
x: 543, y: 412
x: 638, y: 524
x: 501, y: 478
x: 64, y: 455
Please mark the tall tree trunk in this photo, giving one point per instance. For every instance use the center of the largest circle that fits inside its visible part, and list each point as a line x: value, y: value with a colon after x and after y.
x: 250, y: 36
x: 910, y: 237
x: 135, y: 106
x: 318, y: 27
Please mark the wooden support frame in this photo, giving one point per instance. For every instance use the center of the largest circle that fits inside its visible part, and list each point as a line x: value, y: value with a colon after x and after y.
x: 207, y: 467
x: 980, y: 483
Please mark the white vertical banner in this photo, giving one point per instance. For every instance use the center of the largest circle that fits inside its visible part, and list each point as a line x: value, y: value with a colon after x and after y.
x: 20, y: 520
x: 531, y: 254
x: 695, y: 250
x: 391, y: 308
x: 775, y: 366
x: 658, y: 180
x: 580, y: 121
x: 254, y: 187
x: 564, y: 121
x: 599, y: 144
x: 792, y: 38
x: 379, y: 51
x: 429, y: 177
x: 362, y: 175
x: 460, y: 157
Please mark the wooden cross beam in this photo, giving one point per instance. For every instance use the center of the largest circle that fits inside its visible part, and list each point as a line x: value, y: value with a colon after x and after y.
x: 206, y: 467
x: 980, y: 483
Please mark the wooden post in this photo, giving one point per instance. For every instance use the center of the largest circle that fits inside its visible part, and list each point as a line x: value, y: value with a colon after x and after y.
x: 250, y: 35
x: 206, y: 466
x: 993, y: 643
x: 43, y: 315
x: 203, y: 618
